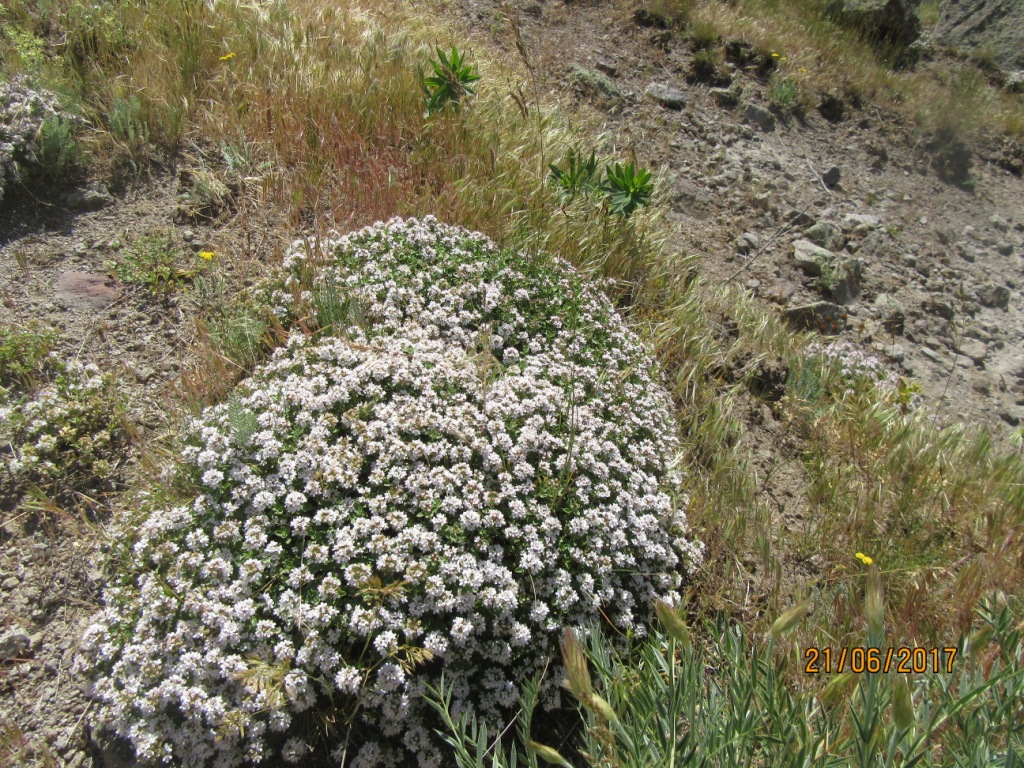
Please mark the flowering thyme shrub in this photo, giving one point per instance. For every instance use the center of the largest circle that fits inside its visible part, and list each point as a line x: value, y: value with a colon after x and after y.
x: 484, y: 462
x: 68, y: 438
x: 857, y: 370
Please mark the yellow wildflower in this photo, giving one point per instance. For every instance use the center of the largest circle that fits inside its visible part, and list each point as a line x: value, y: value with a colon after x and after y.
x: 206, y: 255
x: 864, y: 558
x: 775, y: 55
x: 228, y: 57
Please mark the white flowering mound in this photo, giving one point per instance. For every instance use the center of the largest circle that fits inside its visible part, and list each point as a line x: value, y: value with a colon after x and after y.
x: 485, y: 463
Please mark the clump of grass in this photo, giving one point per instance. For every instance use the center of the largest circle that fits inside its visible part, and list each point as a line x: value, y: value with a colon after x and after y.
x: 658, y: 705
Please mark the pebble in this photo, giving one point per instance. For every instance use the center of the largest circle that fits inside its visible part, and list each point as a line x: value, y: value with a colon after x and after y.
x: 13, y: 644
x: 666, y: 95
x: 831, y: 176
x: 931, y: 354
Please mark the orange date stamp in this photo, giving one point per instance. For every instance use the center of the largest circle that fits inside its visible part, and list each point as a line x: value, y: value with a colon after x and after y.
x: 858, y: 659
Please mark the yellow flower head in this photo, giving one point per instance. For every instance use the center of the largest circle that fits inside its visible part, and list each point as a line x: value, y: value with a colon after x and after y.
x: 775, y: 55
x: 864, y: 558
x: 228, y: 57
x: 206, y: 255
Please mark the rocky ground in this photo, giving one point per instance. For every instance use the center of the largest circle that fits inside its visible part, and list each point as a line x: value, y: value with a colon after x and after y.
x: 839, y: 220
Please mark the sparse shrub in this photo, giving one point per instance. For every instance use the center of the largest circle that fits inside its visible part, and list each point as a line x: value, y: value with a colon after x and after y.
x: 69, y: 438
x: 703, y: 36
x: 451, y: 81
x: 439, y: 492
x: 24, y: 355
x: 156, y: 263
x: 704, y: 66
x: 782, y: 92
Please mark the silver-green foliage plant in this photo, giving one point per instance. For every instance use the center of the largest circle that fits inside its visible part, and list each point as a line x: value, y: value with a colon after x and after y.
x: 35, y: 134
x: 484, y: 459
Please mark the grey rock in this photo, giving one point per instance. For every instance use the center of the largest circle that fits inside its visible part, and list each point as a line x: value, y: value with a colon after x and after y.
x: 84, y: 290
x: 822, y: 316
x: 666, y: 95
x: 992, y: 295
x: 845, y: 281
x: 976, y: 350
x: 938, y: 307
x: 11, y: 582
x: 725, y: 97
x: 861, y: 223
x: 894, y: 21
x: 820, y: 234
x: 932, y: 355
x: 993, y: 26
x: 759, y: 116
x: 811, y: 259
x: 13, y: 644
x: 92, y: 199
x: 891, y: 313
x: 967, y: 251
x: 831, y: 176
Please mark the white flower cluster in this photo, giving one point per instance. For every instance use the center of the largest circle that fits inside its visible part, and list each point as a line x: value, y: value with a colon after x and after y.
x: 855, y: 366
x: 486, y: 462
x: 67, y: 436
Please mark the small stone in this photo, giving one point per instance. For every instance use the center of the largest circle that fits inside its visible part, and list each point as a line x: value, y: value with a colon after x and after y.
x: 781, y: 292
x: 976, y: 350
x: 188, y: 235
x: 11, y: 582
x: 992, y: 295
x: 725, y: 97
x: 938, y: 307
x: 753, y: 284
x: 831, y: 176
x: 861, y: 222
x: 967, y: 251
x: 820, y: 234
x: 13, y: 644
x: 813, y: 260
x: 999, y: 222
x: 607, y: 66
x: 932, y: 355
x: 666, y: 95
x: 759, y: 116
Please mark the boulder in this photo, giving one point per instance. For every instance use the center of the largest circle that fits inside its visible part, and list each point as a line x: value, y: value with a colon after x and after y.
x: 994, y: 28
x: 759, y: 116
x: 890, y: 21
